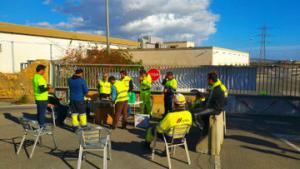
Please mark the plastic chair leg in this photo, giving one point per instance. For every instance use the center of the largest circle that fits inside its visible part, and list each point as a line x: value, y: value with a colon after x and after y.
x: 54, y: 141
x: 168, y: 156
x: 34, y: 145
x: 53, y: 118
x: 187, y: 152
x: 109, y: 149
x: 153, y: 149
x: 79, y: 158
x: 21, y: 144
x: 105, y: 158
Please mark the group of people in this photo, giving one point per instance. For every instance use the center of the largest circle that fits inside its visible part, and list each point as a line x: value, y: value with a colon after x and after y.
x: 118, y: 91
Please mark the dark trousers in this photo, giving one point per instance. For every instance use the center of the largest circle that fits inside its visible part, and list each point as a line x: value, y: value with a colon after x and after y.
x: 120, y: 109
x: 41, y: 107
x: 62, y: 112
x: 201, y: 118
x: 168, y: 103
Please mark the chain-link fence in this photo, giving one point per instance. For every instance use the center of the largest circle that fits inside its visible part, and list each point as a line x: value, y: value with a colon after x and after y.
x: 253, y: 80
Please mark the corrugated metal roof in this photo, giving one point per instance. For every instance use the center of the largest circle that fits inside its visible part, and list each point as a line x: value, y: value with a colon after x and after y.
x: 53, y: 33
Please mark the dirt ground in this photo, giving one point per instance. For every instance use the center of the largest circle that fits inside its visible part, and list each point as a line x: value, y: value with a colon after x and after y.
x: 17, y: 87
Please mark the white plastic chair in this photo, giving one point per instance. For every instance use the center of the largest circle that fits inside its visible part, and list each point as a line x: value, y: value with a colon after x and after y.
x: 94, y: 138
x: 52, y: 112
x: 31, y: 128
x: 178, y: 134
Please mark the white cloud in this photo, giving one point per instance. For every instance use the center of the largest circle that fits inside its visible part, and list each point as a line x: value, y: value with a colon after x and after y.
x: 169, y: 19
x: 69, y: 25
x: 72, y: 24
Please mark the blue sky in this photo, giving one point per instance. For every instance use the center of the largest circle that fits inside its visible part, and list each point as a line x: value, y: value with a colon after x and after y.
x: 232, y: 23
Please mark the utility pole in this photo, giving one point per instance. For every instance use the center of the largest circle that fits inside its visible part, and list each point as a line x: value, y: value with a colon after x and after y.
x: 107, y: 27
x: 263, y: 36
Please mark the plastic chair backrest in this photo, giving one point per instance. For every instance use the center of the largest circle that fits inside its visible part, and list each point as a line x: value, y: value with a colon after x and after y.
x: 92, y: 135
x: 179, y: 131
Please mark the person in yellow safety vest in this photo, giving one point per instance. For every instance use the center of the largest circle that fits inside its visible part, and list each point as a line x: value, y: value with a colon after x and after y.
x: 119, y: 97
x: 128, y: 83
x: 127, y: 80
x: 180, y: 116
x: 214, y: 103
x: 145, y: 92
x: 78, y: 90
x: 104, y: 87
x: 199, y: 101
x: 223, y: 87
x: 40, y: 89
x: 170, y: 87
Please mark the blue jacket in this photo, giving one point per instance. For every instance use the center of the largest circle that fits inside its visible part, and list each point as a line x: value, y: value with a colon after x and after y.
x: 113, y: 93
x: 78, y: 88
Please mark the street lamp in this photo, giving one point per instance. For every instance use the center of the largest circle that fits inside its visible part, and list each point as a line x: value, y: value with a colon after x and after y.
x: 107, y: 27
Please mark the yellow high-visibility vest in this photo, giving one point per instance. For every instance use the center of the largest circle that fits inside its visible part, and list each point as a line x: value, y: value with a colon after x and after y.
x: 122, y: 92
x: 105, y: 87
x: 126, y: 81
x: 172, y: 84
x: 222, y: 86
x: 39, y: 80
x: 146, y: 83
x: 173, y: 119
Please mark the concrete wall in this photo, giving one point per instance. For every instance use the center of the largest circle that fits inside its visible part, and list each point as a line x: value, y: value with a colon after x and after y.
x: 27, y: 47
x: 191, y: 56
x: 222, y: 56
x: 263, y: 105
x: 188, y: 57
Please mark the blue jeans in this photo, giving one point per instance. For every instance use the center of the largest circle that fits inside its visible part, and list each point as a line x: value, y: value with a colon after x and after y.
x: 41, y: 107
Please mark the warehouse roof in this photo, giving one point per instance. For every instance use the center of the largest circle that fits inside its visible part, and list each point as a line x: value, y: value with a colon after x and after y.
x: 53, y: 33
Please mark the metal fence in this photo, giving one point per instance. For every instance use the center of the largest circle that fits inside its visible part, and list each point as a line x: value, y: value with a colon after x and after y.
x: 253, y: 80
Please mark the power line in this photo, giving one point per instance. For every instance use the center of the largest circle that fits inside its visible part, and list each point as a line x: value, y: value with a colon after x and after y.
x: 263, y: 41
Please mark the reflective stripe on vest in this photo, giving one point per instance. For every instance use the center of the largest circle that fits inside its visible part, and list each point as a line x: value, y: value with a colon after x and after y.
x: 105, y: 87
x: 39, y: 80
x: 122, y: 92
x: 222, y: 86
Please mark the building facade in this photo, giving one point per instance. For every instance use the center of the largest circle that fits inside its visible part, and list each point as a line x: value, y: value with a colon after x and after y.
x: 191, y: 56
x: 180, y: 44
x: 19, y: 44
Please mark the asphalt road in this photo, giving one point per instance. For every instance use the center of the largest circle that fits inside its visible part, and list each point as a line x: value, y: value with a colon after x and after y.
x: 252, y: 142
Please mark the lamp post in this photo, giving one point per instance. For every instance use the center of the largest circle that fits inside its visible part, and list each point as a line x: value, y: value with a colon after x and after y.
x: 107, y: 27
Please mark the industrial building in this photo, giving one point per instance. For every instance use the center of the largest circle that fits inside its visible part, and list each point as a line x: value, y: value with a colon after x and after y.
x: 151, y: 42
x: 191, y: 56
x: 180, y: 44
x: 19, y: 44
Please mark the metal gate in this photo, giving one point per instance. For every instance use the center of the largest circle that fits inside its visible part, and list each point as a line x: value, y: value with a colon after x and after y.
x: 249, y: 80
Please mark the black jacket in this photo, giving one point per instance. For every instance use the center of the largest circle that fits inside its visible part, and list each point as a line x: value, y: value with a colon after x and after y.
x: 216, y: 100
x: 52, y: 99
